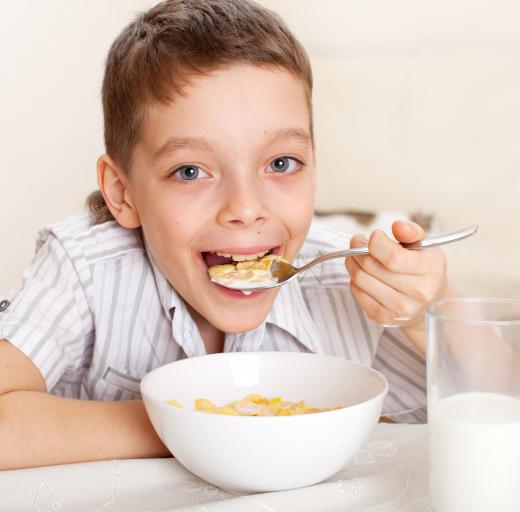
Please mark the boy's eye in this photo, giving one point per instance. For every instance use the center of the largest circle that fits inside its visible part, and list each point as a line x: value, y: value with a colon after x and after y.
x: 189, y: 173
x: 284, y: 164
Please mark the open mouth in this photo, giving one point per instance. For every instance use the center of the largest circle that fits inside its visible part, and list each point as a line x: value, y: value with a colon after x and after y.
x: 217, y: 258
x: 242, y: 272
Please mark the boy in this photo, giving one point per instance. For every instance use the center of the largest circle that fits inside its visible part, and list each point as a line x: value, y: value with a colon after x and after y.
x: 209, y: 157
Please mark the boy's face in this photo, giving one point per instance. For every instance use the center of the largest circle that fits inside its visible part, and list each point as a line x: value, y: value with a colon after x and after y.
x: 226, y: 168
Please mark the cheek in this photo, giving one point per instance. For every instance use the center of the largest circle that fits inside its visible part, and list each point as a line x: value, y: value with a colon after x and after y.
x: 170, y: 225
x: 296, y: 205
x: 174, y: 207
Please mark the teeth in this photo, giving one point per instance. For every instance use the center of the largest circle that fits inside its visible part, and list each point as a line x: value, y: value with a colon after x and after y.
x: 243, y: 257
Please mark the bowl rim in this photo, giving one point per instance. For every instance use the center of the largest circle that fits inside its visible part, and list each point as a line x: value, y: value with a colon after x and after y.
x: 433, y: 315
x: 227, y: 417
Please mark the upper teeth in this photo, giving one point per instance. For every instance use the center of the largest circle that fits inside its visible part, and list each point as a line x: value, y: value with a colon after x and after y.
x: 243, y: 257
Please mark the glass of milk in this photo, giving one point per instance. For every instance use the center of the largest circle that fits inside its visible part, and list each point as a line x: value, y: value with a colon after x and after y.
x: 474, y: 405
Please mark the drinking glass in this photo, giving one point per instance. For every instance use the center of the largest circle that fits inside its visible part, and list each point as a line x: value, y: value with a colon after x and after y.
x: 473, y: 362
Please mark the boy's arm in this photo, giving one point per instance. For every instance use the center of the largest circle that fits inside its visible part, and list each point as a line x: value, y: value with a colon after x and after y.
x: 38, y: 429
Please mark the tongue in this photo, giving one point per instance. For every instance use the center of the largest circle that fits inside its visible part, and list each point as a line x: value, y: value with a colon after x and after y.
x: 213, y: 259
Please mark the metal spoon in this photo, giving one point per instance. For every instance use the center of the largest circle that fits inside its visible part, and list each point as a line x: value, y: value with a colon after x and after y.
x: 284, y: 272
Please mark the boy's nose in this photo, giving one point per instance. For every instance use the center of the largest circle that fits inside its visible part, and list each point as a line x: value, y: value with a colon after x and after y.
x: 244, y: 205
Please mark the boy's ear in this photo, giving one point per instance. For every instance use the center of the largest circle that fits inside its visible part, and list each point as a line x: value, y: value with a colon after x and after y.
x: 113, y: 184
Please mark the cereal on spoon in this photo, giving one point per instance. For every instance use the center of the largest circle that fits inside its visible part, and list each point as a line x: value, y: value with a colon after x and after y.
x: 245, y: 274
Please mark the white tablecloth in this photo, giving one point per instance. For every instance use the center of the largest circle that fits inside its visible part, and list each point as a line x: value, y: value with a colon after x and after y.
x: 388, y: 474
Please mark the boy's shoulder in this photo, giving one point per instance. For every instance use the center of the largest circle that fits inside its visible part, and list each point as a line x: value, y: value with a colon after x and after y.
x: 80, y: 238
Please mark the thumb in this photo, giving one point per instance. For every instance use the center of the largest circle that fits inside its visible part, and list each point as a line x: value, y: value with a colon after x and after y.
x: 407, y: 231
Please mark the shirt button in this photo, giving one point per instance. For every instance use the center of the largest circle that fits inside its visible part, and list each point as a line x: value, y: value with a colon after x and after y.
x: 4, y: 304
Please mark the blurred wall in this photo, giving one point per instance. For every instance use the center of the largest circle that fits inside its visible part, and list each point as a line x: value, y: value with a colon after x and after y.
x: 417, y: 108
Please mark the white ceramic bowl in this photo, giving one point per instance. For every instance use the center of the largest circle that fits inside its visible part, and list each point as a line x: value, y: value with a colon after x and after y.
x: 258, y: 454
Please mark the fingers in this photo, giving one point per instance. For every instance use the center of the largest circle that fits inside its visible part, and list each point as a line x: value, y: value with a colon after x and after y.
x: 375, y: 310
x: 396, y: 258
x: 407, y: 232
x: 404, y: 283
x: 397, y: 303
x: 421, y: 288
x: 374, y: 267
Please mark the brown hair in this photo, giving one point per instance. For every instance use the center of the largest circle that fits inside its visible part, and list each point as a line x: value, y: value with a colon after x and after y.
x: 155, y: 55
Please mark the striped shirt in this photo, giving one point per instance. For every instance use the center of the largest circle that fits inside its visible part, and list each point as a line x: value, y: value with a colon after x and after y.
x: 95, y: 314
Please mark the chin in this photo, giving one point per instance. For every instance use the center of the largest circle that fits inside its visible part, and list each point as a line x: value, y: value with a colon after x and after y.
x: 238, y: 322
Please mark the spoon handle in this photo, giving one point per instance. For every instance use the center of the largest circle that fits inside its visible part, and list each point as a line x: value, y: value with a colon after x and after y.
x: 434, y: 241
x: 448, y: 238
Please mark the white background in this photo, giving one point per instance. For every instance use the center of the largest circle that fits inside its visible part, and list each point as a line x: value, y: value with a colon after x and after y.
x: 417, y: 107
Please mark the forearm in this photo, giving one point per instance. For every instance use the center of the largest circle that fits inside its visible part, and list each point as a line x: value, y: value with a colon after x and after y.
x: 37, y: 429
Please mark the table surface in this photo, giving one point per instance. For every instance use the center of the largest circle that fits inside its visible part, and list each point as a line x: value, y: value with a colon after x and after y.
x: 388, y: 474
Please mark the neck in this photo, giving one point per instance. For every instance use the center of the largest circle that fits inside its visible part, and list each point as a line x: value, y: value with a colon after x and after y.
x: 212, y: 337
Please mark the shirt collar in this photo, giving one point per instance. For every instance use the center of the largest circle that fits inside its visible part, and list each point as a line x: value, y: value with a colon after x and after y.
x: 184, y: 329
x: 289, y: 312
x: 169, y: 297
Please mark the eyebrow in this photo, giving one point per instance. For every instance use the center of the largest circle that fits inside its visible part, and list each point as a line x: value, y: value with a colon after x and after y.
x: 178, y: 143
x: 300, y: 135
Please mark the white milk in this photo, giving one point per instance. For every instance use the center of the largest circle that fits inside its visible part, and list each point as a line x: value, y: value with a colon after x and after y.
x: 475, y: 453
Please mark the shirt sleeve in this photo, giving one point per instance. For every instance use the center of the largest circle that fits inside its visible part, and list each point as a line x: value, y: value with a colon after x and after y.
x: 49, y: 319
x: 404, y: 366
